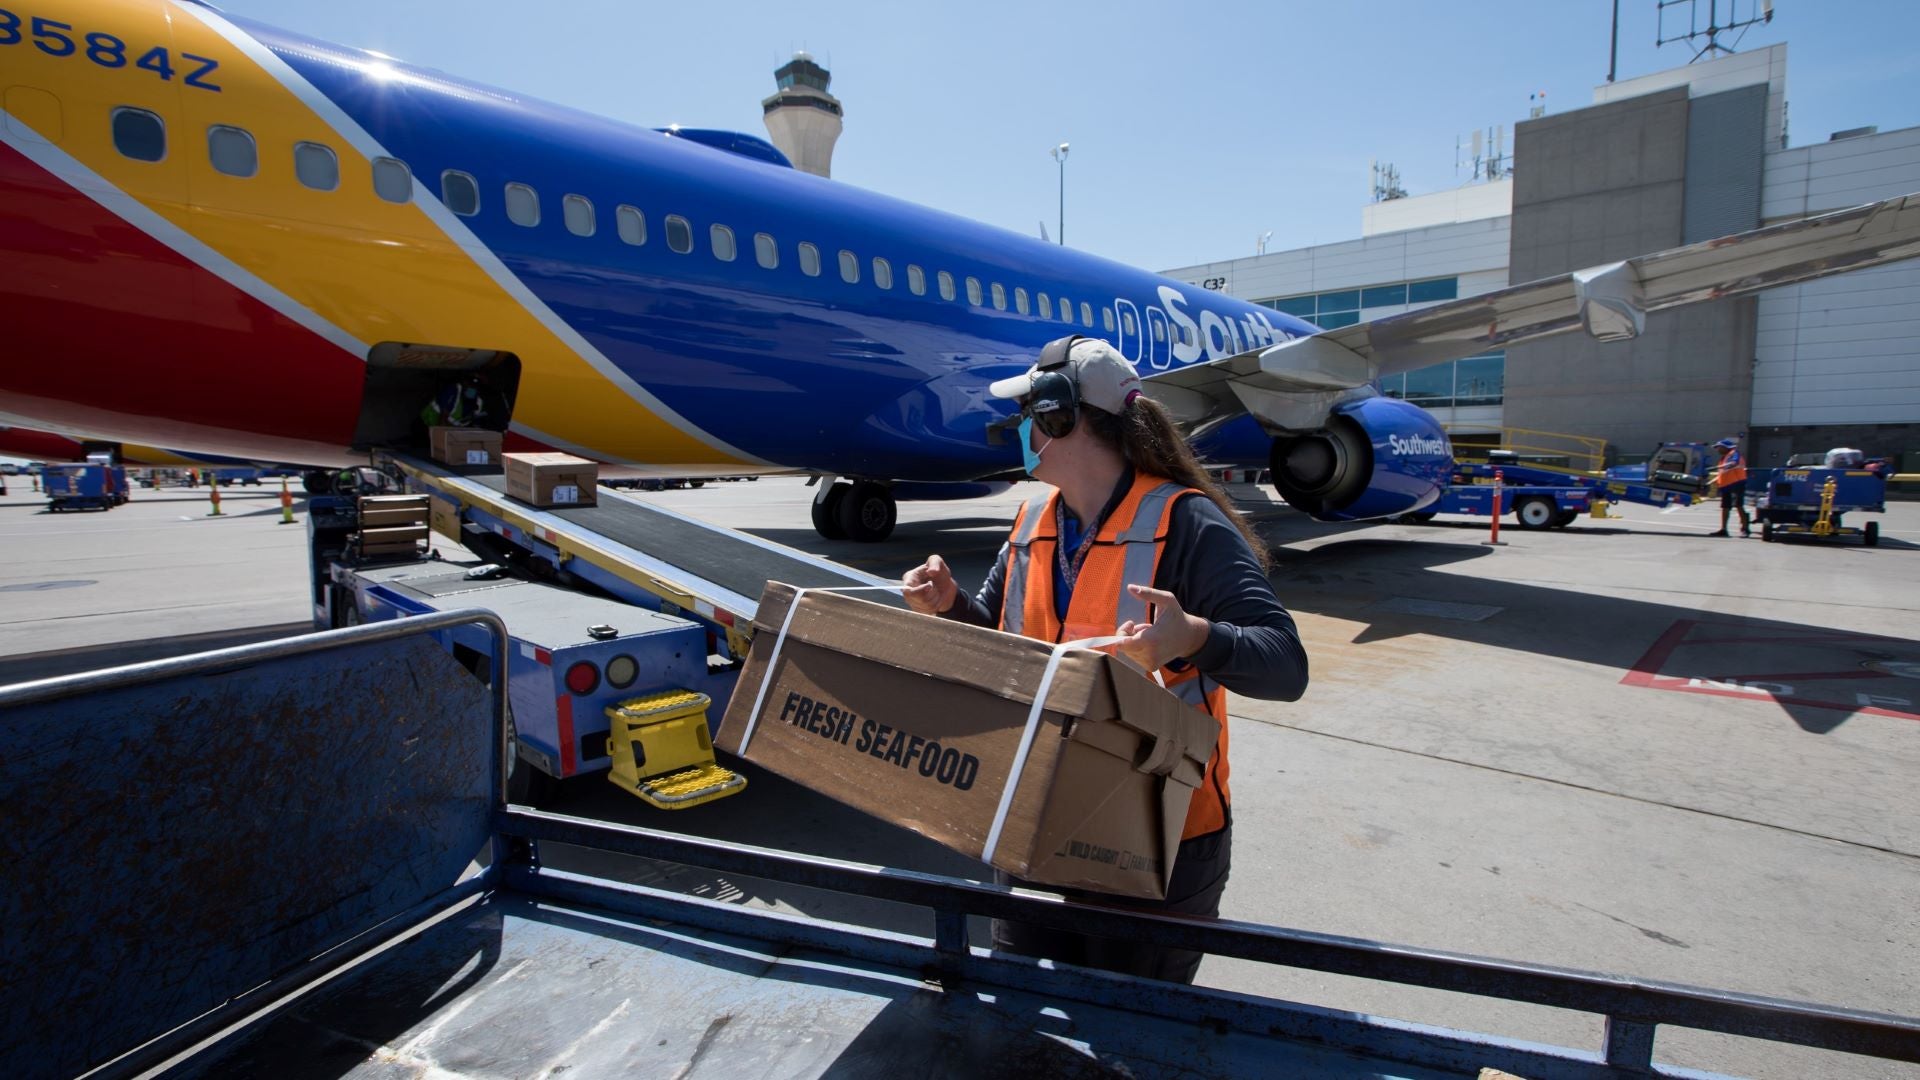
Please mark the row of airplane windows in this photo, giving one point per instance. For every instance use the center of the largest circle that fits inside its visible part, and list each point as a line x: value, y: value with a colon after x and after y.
x: 232, y: 151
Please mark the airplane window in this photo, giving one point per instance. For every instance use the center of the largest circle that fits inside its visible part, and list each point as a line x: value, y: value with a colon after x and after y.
x: 523, y: 205
x: 809, y: 259
x: 1086, y: 313
x: 946, y: 285
x: 679, y: 234
x: 316, y: 166
x: 577, y: 211
x: 1159, y: 332
x: 392, y: 180
x: 973, y: 291
x: 849, y: 268
x: 633, y: 225
x: 460, y: 193
x: 1020, y: 301
x: 1106, y: 319
x: 1126, y: 320
x: 882, y: 272
x: 1046, y: 306
x: 232, y: 151
x: 139, y: 134
x: 1066, y: 310
x: 765, y: 250
x: 916, y: 280
x: 721, y: 238
x: 999, y: 297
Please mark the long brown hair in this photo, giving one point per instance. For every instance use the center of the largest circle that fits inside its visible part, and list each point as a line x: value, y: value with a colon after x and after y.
x: 1146, y: 437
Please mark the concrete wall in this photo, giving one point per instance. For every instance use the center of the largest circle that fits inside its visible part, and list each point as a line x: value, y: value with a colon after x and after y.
x: 1766, y: 67
x: 1602, y: 184
x: 1469, y: 202
x: 1440, y: 251
x: 1839, y: 360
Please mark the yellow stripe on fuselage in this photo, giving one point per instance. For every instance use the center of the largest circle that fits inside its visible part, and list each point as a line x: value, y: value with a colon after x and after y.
x: 378, y: 271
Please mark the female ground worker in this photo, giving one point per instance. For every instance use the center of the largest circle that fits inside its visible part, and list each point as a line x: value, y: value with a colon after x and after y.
x: 1137, y: 541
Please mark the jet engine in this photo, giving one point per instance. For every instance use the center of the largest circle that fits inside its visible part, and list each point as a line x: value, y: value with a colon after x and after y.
x: 1373, y: 458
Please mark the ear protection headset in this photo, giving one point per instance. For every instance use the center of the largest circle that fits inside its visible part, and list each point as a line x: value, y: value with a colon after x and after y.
x: 1054, y: 401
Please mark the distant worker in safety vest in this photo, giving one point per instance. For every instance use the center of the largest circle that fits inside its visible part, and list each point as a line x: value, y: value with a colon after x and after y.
x: 1730, y: 476
x: 457, y: 404
x: 1134, y: 540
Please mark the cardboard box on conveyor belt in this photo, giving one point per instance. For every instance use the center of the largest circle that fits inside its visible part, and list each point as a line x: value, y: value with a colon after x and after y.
x: 464, y: 446
x: 551, y: 480
x: 921, y: 721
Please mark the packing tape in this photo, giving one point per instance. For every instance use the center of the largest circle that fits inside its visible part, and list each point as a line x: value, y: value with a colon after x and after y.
x: 779, y: 642
x: 1026, y: 737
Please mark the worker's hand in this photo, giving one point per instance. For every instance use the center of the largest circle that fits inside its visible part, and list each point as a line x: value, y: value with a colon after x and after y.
x: 1168, y: 634
x: 930, y: 587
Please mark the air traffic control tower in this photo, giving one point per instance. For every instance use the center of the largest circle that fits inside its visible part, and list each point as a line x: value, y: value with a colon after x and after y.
x: 802, y: 118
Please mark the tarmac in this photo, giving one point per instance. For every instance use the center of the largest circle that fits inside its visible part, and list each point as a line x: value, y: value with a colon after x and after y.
x: 1624, y: 747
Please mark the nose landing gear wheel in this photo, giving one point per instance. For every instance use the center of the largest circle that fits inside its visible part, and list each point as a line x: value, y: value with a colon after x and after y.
x: 826, y: 512
x: 867, y: 512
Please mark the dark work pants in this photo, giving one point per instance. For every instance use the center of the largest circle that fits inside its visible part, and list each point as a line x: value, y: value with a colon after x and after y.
x: 1199, y: 877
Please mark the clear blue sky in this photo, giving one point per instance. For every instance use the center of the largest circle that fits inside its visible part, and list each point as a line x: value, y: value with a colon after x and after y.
x: 1194, y: 127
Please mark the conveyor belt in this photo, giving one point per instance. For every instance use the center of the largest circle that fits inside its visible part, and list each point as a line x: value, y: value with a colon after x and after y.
x: 724, y: 567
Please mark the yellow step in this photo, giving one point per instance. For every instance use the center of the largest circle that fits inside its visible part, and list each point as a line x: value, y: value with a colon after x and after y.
x: 690, y: 787
x: 662, y: 751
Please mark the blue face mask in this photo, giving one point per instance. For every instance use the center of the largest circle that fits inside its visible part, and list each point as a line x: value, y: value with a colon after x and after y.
x: 1027, y: 453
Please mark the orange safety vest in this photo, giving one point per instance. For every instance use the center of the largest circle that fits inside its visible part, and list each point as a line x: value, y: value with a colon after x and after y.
x: 1731, y: 470
x: 1125, y: 552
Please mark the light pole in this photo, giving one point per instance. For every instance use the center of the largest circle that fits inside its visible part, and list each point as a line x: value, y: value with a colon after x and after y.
x: 1060, y: 155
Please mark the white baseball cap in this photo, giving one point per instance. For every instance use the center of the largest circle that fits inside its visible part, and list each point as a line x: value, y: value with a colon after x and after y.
x: 1101, y: 376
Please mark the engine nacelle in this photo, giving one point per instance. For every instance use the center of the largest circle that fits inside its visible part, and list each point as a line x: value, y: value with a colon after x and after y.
x: 1374, y: 458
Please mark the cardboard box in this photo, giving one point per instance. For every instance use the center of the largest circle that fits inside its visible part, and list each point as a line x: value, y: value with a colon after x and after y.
x: 551, y: 480
x: 919, y: 720
x: 464, y: 446
x: 444, y: 518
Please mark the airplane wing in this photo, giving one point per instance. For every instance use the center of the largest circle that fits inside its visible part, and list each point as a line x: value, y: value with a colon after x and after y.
x: 1291, y: 385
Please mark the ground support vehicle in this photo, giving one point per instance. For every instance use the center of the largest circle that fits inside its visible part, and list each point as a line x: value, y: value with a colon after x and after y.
x: 1810, y: 502
x: 1539, y: 497
x: 91, y: 486
x: 628, y: 622
x: 343, y: 889
x: 233, y: 476
x: 1675, y: 474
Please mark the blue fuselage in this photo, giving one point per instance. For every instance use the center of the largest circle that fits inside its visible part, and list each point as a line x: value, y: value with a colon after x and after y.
x: 814, y: 362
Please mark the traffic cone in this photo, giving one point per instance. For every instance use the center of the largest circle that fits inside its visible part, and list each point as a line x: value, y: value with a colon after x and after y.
x: 213, y: 491
x: 1495, y: 540
x: 286, y: 503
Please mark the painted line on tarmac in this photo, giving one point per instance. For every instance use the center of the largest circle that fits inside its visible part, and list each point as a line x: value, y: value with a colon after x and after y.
x: 1647, y: 672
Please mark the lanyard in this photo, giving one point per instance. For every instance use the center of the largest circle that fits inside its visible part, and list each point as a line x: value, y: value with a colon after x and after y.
x: 1070, y: 563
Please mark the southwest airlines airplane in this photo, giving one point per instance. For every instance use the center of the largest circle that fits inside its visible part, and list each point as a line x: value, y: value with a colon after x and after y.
x: 223, y: 237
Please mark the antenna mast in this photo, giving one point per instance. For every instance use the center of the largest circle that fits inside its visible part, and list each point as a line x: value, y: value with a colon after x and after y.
x: 1386, y: 182
x: 1757, y: 11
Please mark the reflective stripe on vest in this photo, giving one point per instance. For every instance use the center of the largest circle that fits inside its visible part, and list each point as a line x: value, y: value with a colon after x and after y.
x: 1126, y: 551
x: 1013, y: 593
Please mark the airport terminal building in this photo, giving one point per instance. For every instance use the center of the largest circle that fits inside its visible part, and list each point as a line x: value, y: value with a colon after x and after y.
x: 1654, y: 163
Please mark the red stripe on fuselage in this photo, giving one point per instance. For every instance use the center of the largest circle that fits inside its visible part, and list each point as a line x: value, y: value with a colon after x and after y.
x: 109, y: 331
x: 40, y: 445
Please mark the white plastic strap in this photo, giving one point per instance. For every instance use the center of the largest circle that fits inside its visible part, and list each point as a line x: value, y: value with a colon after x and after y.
x: 1026, y: 737
x: 773, y: 658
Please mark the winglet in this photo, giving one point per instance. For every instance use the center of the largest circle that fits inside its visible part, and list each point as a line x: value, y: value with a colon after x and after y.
x: 1612, y: 303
